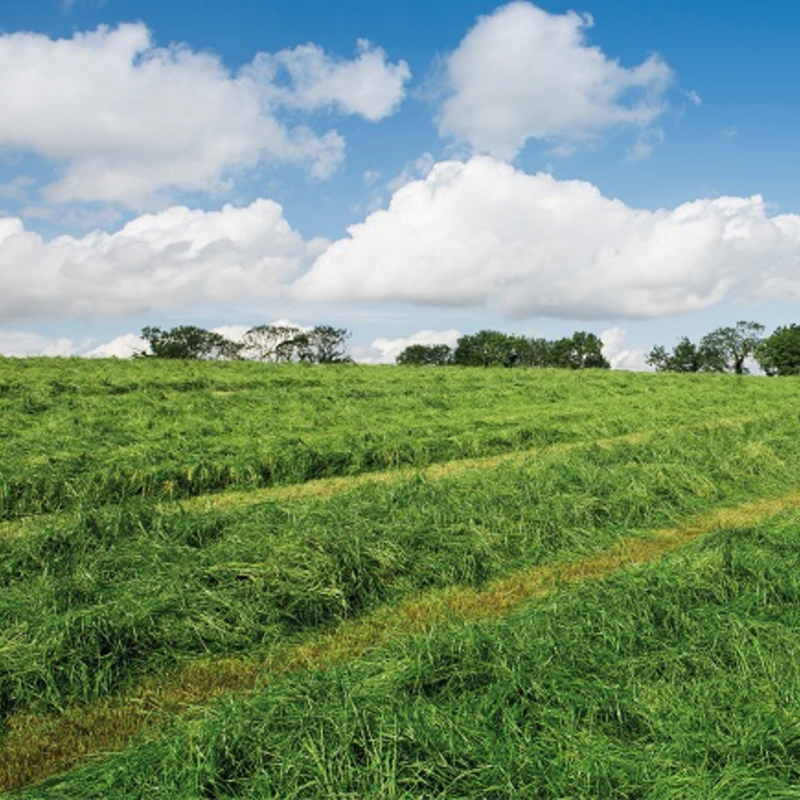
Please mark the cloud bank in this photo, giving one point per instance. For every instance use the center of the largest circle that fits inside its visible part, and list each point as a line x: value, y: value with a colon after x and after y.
x: 478, y: 234
x: 175, y: 259
x: 482, y: 234
x: 523, y: 74
x: 127, y: 121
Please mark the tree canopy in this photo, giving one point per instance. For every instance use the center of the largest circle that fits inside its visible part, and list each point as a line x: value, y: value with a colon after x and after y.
x: 779, y: 354
x: 322, y: 344
x: 683, y: 358
x: 426, y: 355
x: 189, y: 341
x: 722, y: 350
x: 727, y: 349
x: 488, y: 348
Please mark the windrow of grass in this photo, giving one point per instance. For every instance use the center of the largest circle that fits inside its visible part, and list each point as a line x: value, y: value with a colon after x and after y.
x: 80, y: 432
x: 91, y: 603
x: 39, y: 746
x: 679, y: 679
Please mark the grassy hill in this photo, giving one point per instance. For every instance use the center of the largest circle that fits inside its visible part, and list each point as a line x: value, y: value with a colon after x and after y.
x: 239, y: 580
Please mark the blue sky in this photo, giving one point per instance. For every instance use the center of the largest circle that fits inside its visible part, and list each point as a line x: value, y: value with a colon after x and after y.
x: 409, y: 171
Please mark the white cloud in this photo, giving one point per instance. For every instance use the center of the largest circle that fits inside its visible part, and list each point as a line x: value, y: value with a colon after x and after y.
x: 619, y: 355
x: 24, y: 343
x: 125, y: 346
x: 127, y: 120
x: 17, y: 188
x: 482, y: 233
x: 522, y: 73
x: 177, y: 258
x: 643, y: 147
x: 418, y: 168
x: 385, y: 351
x: 232, y: 332
x: 367, y: 86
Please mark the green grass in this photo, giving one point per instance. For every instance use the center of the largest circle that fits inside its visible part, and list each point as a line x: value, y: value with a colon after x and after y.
x: 677, y: 680
x: 127, y: 572
x: 91, y: 602
x: 83, y: 432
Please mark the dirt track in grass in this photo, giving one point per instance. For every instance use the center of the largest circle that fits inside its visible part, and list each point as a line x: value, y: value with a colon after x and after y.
x: 36, y: 747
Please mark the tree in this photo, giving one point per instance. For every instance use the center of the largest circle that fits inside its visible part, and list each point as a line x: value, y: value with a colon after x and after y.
x: 537, y: 352
x: 726, y: 349
x: 685, y: 357
x: 489, y: 349
x: 327, y: 345
x: 779, y: 354
x: 190, y: 342
x: 580, y: 351
x: 722, y: 350
x: 264, y: 342
x: 426, y: 355
x: 323, y: 344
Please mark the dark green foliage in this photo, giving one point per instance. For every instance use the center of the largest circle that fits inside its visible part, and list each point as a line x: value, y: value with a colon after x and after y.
x: 189, y: 342
x: 270, y: 343
x: 322, y: 344
x: 426, y: 355
x: 286, y: 344
x: 779, y: 354
x: 683, y: 358
x: 488, y: 349
x: 723, y: 350
x: 582, y: 350
x: 325, y: 344
x: 727, y: 349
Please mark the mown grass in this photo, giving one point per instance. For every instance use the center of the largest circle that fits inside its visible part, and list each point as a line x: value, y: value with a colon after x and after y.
x: 82, y: 432
x: 37, y: 746
x: 674, y: 680
x: 94, y: 601
x: 111, y: 586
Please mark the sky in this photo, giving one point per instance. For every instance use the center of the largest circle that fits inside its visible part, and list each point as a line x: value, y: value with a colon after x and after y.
x: 410, y: 171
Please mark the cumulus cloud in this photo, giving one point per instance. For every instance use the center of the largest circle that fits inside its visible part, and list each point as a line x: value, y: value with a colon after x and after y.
x: 176, y: 258
x: 522, y: 73
x: 125, y: 346
x: 385, y: 351
x: 619, y: 354
x: 367, y: 86
x: 126, y: 120
x: 23, y: 343
x: 482, y: 233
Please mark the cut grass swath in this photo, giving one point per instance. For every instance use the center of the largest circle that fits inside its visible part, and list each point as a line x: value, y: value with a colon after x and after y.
x: 679, y: 680
x: 90, y: 605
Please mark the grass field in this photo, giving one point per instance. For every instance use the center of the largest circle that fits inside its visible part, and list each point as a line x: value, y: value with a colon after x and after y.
x: 238, y: 580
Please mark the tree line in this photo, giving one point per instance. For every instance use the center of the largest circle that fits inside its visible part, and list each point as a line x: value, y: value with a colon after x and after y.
x: 322, y: 344
x: 729, y: 348
x: 726, y: 349
x: 489, y: 348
